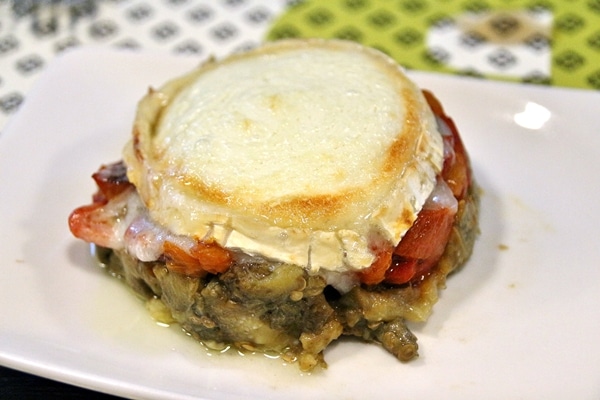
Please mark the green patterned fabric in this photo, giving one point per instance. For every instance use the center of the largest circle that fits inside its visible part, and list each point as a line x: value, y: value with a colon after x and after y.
x: 401, y: 27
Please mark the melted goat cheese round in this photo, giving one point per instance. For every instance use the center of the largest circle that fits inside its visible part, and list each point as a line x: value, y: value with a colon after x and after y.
x: 303, y: 151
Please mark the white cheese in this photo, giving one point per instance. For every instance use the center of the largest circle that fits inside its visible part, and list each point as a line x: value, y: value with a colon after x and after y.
x: 300, y: 151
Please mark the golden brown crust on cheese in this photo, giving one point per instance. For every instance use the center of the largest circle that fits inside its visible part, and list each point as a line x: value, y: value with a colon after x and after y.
x: 313, y: 206
x: 336, y: 202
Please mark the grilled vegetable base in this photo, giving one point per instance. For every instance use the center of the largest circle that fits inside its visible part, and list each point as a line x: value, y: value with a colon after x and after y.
x: 258, y: 305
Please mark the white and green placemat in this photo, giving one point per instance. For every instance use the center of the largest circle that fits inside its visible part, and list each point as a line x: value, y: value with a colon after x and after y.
x: 554, y: 42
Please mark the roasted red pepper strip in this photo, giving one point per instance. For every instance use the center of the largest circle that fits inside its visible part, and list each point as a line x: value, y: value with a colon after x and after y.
x: 111, y: 180
x: 203, y: 257
x: 423, y: 244
x: 456, y: 172
x: 376, y: 272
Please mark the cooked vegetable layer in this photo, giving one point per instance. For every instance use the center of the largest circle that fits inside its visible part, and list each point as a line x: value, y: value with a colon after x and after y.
x: 258, y: 305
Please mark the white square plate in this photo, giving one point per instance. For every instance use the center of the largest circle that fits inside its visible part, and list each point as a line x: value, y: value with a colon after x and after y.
x: 521, y: 320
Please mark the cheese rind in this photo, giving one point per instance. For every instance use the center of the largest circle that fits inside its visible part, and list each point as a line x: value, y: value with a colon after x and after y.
x: 303, y: 151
